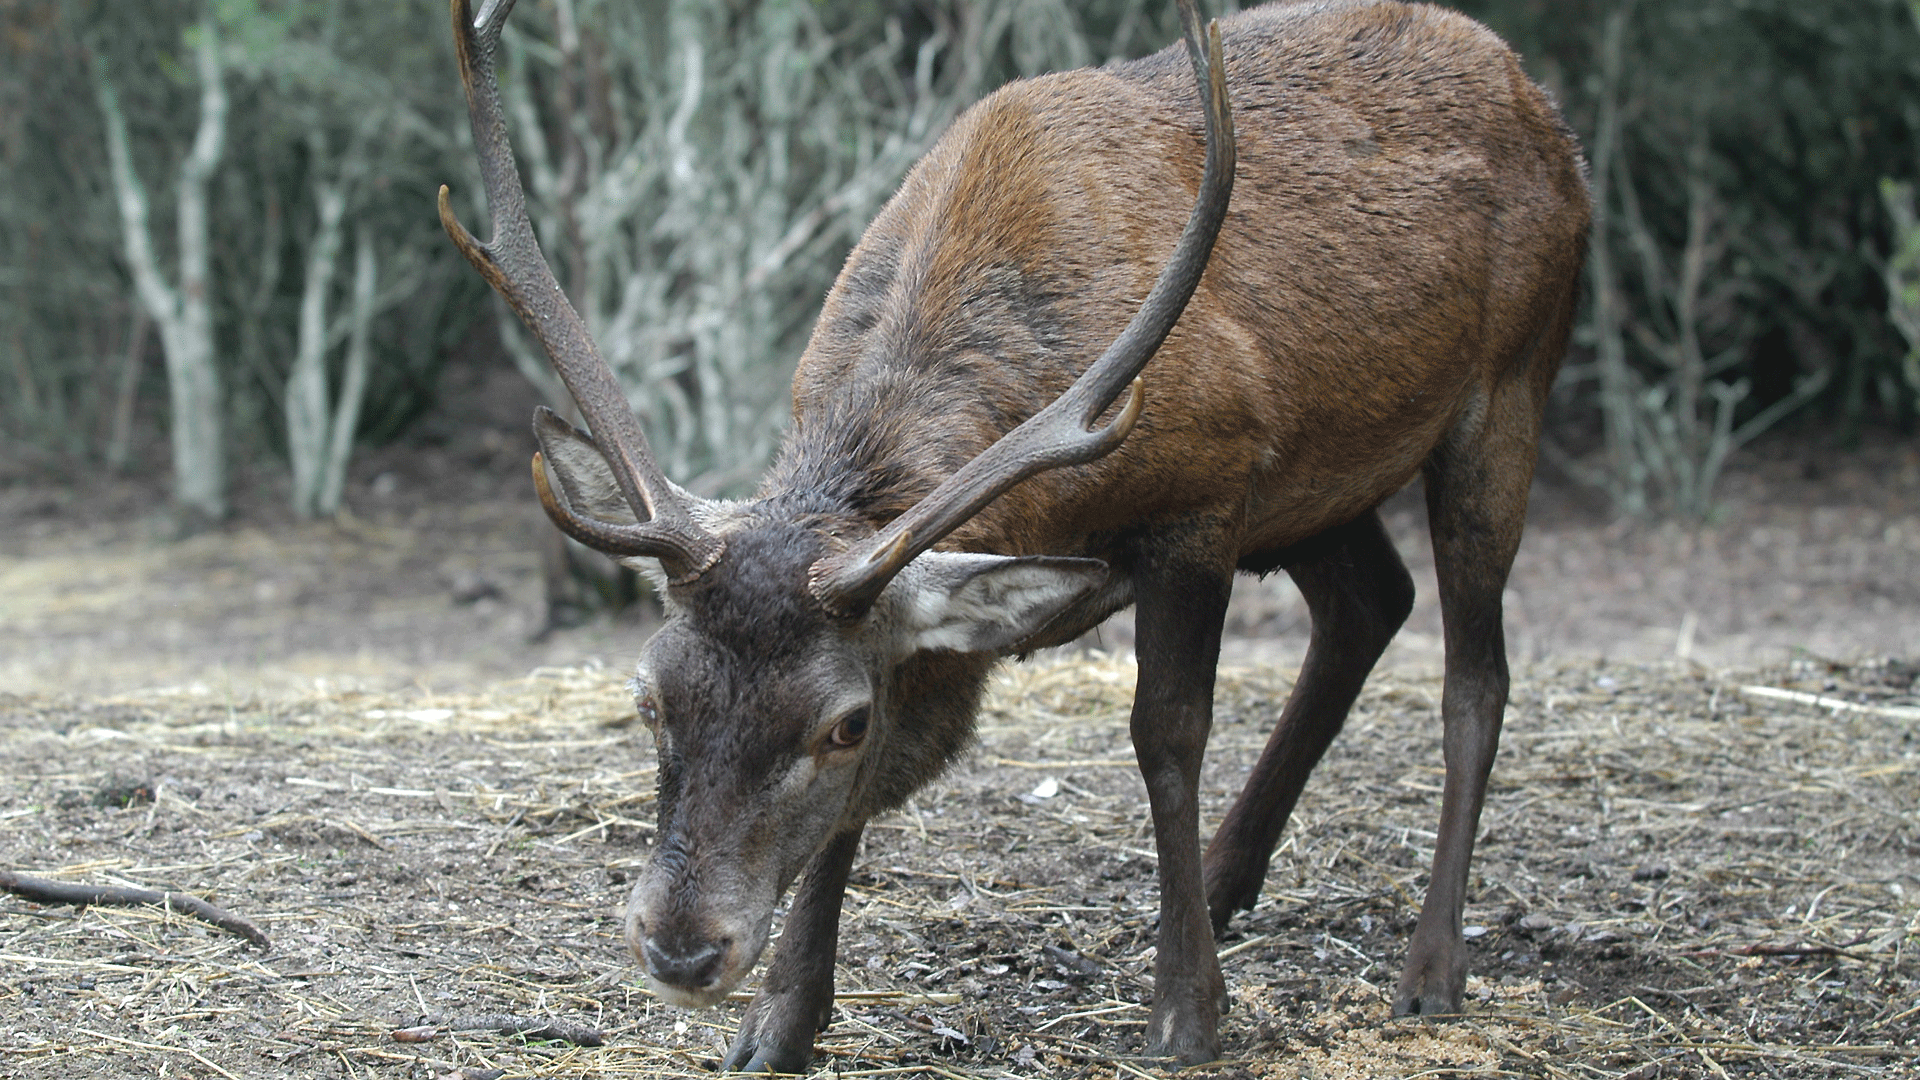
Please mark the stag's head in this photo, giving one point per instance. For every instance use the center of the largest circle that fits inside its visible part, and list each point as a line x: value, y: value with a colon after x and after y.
x: 772, y: 709
x: 772, y: 687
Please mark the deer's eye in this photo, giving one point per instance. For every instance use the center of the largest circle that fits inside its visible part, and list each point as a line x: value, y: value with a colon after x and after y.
x: 849, y: 731
x: 648, y: 710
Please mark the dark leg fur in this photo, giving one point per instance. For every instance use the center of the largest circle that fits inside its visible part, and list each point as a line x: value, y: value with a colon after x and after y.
x: 1358, y: 592
x: 796, y: 998
x: 1476, y: 505
x: 1180, y: 612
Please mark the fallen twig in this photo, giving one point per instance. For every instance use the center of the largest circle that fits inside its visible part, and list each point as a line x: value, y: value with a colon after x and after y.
x: 529, y: 1027
x: 1793, y: 949
x: 43, y: 891
x: 1832, y: 704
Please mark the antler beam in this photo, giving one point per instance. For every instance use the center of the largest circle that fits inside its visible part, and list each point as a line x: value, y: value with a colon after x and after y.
x: 513, y: 264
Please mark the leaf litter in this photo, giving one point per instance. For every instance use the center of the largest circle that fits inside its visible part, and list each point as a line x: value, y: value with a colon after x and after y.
x: 1676, y: 877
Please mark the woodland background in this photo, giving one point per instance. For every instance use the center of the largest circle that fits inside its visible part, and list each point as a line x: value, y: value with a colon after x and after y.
x: 218, y: 243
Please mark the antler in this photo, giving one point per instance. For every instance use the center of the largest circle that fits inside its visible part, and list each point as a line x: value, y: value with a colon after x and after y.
x: 1062, y: 433
x: 513, y: 265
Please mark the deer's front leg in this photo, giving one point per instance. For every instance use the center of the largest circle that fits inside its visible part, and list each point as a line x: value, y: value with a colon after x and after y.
x: 1180, y: 611
x: 796, y: 997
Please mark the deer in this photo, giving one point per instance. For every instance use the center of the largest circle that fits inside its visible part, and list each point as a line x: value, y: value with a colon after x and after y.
x: 1030, y: 401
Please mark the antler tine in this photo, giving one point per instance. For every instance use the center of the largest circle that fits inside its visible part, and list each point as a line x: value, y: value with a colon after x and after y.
x: 1062, y: 433
x: 513, y: 264
x: 598, y: 535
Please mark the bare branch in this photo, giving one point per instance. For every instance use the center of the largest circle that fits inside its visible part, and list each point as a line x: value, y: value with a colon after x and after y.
x: 43, y: 891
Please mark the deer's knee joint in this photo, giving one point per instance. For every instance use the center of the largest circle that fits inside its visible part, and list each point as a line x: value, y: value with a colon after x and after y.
x: 1393, y: 590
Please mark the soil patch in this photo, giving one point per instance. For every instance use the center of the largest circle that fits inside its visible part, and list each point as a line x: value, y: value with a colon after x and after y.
x: 1679, y: 875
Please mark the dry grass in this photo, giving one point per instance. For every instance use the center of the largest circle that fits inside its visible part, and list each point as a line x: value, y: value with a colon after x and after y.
x: 1675, y: 879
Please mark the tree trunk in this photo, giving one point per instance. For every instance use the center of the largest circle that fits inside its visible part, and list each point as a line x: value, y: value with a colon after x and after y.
x: 353, y: 381
x: 183, y: 314
x: 120, y: 439
x: 307, y: 397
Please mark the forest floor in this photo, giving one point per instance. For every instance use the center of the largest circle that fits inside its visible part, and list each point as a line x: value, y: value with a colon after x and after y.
x: 1679, y: 875
x: 348, y: 733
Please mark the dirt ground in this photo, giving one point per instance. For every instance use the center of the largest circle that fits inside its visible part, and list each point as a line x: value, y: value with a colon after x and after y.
x: 1680, y: 875
x: 347, y: 733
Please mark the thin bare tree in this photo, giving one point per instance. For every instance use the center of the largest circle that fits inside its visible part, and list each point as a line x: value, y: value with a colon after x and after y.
x: 180, y: 309
x: 320, y: 422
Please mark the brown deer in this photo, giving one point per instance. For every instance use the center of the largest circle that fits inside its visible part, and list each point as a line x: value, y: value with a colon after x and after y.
x: 1389, y: 293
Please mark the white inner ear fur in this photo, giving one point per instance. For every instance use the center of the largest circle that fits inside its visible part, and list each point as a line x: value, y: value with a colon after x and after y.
x: 987, y: 603
x: 586, y: 478
x: 649, y: 569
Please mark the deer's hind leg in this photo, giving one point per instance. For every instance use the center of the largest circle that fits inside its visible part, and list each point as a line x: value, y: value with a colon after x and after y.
x: 1476, y: 484
x: 1358, y: 592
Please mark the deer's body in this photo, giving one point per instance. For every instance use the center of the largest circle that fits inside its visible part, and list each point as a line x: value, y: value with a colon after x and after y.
x: 1407, y: 206
x: 1389, y: 294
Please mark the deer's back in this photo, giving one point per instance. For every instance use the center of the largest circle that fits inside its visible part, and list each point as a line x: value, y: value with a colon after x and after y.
x: 1406, y: 209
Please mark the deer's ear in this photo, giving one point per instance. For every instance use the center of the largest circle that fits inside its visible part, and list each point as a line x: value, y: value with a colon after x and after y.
x: 988, y: 603
x: 584, y: 475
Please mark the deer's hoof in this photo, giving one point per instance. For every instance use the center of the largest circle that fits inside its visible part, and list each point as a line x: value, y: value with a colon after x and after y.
x: 747, y: 1056
x: 1185, y: 1048
x: 776, y: 1031
x: 1433, y: 983
x: 1186, y: 1027
x: 1232, y: 885
x: 1433, y: 1006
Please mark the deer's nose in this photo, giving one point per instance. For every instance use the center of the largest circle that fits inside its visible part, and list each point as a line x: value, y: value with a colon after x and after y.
x: 690, y: 965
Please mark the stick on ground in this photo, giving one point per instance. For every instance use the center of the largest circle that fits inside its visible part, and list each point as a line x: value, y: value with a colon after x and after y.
x: 43, y: 891
x: 530, y: 1027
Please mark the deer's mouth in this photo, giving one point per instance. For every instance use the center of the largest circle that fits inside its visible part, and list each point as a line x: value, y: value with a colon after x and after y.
x: 692, y: 991
x: 694, y: 962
